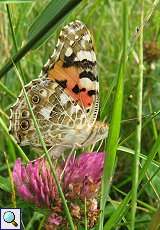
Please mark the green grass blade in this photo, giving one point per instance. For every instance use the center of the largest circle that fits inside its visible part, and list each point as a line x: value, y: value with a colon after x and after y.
x: 13, y: 196
x: 139, y: 128
x: 2, y: 113
x: 114, y: 129
x: 153, y: 120
x: 39, y: 133
x: 15, y: 1
x: 155, y: 149
x: 11, y: 27
x: 36, y: 216
x: 147, y: 206
x: 7, y: 91
x: 69, y: 217
x: 53, y: 21
x: 5, y: 184
x: 85, y: 215
x: 52, y: 10
x: 123, y: 207
x: 118, y: 214
x: 5, y: 129
x: 142, y: 156
x: 13, y: 38
x: 145, y: 124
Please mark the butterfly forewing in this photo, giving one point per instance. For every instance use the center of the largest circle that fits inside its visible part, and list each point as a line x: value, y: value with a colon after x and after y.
x: 74, y: 67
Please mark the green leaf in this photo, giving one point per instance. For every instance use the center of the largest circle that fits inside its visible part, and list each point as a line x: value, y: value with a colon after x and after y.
x: 154, y: 178
x: 51, y: 11
x: 5, y: 184
x: 15, y: 1
x: 114, y: 129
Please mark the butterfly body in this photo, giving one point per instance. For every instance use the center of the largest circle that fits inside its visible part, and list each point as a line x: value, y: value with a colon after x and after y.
x: 64, y: 98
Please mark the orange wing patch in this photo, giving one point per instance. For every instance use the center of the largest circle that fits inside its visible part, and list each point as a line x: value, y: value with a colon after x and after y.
x: 69, y: 79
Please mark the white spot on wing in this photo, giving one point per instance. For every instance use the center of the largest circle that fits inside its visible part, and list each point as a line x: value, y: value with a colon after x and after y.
x: 74, y: 109
x: 68, y: 51
x: 97, y: 86
x: 82, y: 54
x: 64, y: 98
x: 86, y: 37
x: 93, y: 55
x: 76, y: 36
x: 71, y: 30
x: 83, y: 44
x: 46, y: 112
x: 87, y: 83
x: 71, y: 42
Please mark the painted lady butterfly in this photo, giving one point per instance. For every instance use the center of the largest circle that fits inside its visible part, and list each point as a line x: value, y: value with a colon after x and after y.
x: 64, y: 98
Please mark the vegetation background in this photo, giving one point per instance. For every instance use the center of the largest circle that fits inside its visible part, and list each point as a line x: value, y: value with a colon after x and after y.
x: 105, y: 20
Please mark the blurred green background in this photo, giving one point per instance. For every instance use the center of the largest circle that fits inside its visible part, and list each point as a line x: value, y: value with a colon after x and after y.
x: 104, y: 20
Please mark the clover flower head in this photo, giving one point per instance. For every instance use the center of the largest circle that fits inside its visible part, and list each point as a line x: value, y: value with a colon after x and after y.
x: 34, y: 182
x: 83, y: 175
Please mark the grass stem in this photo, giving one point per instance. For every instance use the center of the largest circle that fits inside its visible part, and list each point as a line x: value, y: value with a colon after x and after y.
x: 114, y: 129
x: 38, y: 130
x: 46, y: 152
x: 139, y: 128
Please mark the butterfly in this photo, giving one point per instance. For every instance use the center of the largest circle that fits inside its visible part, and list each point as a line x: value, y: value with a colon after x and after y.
x: 65, y: 97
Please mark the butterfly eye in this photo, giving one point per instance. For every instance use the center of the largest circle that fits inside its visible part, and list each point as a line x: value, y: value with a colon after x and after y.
x: 35, y: 99
x: 24, y: 124
x: 25, y: 114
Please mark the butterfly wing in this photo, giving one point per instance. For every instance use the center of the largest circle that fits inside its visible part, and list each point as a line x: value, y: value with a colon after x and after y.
x: 54, y: 110
x: 65, y: 97
x: 73, y: 66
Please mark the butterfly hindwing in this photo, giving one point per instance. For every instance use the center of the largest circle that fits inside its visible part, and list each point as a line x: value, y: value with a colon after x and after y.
x: 54, y: 110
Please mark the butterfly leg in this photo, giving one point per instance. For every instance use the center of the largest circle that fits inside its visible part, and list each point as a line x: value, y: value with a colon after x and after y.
x: 68, y: 159
x: 57, y: 150
x: 78, y: 145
